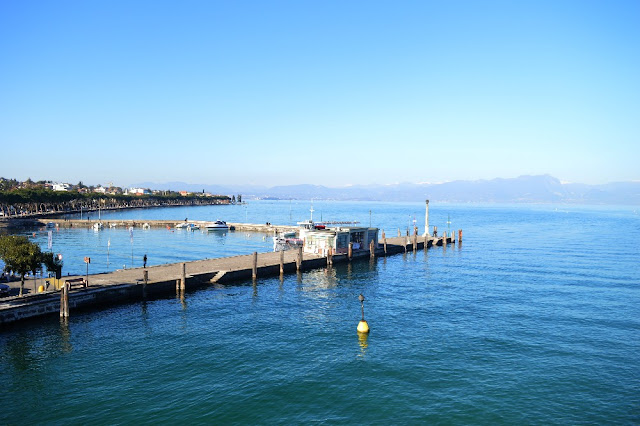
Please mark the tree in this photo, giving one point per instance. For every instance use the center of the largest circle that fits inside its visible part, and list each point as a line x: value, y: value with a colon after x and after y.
x: 20, y: 256
x: 52, y: 263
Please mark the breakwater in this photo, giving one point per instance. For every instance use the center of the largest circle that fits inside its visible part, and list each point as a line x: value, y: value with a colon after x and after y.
x: 170, y: 224
x: 134, y: 284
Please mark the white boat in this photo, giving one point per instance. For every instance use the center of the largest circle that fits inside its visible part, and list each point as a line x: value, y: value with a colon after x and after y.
x: 217, y: 225
x: 146, y: 226
x: 181, y: 225
x: 97, y: 226
x: 192, y: 227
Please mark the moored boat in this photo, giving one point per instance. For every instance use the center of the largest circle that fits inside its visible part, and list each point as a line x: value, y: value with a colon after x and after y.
x: 218, y: 225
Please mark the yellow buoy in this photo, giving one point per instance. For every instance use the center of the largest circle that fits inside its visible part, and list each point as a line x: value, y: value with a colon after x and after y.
x: 363, y: 327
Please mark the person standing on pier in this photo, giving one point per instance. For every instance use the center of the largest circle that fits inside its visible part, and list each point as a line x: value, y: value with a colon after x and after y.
x: 144, y: 261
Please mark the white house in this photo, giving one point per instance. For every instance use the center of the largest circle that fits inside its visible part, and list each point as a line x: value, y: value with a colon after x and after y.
x: 137, y: 191
x: 61, y: 187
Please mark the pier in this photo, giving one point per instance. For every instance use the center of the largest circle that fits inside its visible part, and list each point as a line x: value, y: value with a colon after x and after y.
x: 170, y: 224
x: 136, y: 284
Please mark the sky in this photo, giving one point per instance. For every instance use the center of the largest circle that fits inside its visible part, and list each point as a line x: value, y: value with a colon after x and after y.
x: 332, y: 93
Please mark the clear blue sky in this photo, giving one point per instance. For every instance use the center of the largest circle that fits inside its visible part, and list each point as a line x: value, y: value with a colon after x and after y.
x: 322, y: 92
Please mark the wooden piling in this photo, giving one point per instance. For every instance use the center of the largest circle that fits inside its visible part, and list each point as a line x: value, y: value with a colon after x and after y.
x: 254, y: 273
x: 145, y: 280
x: 299, y: 259
x: 281, y: 262
x: 459, y: 236
x: 330, y: 256
x: 415, y: 240
x: 183, y: 280
x: 350, y: 253
x: 384, y: 243
x: 444, y: 238
x: 64, y: 300
x: 372, y: 250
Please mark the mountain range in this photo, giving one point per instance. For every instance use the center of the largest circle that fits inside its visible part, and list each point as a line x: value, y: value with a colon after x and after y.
x: 523, y: 189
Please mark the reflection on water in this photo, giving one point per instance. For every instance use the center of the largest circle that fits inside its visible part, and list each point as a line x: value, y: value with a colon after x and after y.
x: 65, y: 336
x: 363, y: 342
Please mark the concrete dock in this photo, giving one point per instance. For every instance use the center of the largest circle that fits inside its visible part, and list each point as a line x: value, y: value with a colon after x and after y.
x: 163, y: 280
x: 171, y: 224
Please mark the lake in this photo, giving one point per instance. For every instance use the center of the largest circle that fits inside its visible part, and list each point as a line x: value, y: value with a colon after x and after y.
x: 534, y: 318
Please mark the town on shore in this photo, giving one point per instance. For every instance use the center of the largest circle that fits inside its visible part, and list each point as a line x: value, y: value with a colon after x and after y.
x: 43, y: 198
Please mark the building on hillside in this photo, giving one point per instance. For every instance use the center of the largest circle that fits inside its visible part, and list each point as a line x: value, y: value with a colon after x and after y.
x: 100, y: 190
x: 61, y: 187
x: 137, y: 191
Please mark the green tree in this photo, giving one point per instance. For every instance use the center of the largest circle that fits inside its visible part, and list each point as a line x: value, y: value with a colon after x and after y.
x: 20, y: 256
x: 51, y: 262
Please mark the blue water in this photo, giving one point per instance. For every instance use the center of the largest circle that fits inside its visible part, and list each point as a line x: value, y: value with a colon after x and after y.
x: 533, y: 319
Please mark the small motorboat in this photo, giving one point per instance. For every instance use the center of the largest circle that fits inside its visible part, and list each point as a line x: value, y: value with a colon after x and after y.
x: 192, y: 227
x: 218, y: 225
x: 97, y: 226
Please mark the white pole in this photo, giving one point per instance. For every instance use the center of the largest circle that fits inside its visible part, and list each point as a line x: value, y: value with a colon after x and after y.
x: 426, y: 221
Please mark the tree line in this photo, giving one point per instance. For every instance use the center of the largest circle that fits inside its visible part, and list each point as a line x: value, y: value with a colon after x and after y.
x: 34, y: 201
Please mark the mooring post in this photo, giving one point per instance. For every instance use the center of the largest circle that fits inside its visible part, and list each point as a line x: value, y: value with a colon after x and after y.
x: 330, y: 256
x: 444, y: 238
x: 459, y: 236
x: 281, y: 262
x: 350, y: 250
x: 183, y: 280
x: 254, y: 273
x: 299, y: 259
x: 64, y: 301
x: 372, y: 249
x: 145, y: 279
x: 406, y: 243
x: 399, y: 234
x: 384, y: 243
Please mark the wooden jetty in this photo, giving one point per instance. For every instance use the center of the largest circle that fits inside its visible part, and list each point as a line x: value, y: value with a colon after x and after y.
x: 176, y: 278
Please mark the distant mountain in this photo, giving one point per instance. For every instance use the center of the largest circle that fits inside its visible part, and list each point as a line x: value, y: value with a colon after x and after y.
x: 523, y: 189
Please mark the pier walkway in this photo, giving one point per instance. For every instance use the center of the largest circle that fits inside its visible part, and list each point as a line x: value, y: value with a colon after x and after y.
x: 162, y: 280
